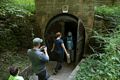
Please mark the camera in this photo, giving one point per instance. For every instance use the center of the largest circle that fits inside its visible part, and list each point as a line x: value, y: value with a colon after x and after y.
x: 42, y: 48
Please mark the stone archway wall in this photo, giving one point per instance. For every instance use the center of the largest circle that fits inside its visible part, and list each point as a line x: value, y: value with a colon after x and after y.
x: 82, y: 9
x: 81, y: 32
x: 63, y: 16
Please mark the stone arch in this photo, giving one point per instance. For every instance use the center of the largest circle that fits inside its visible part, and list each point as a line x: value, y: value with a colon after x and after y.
x: 62, y: 23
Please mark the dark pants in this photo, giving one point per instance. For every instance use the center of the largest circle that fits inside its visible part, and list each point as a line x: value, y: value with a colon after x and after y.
x: 71, y: 52
x: 43, y: 75
x: 60, y: 59
x: 58, y: 66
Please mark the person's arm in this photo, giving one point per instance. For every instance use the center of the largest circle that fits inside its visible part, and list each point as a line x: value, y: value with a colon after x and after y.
x: 53, y: 47
x: 45, y: 50
x: 63, y: 46
x: 42, y: 47
x: 43, y: 56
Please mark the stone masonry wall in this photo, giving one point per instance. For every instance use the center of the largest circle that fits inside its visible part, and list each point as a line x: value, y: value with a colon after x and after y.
x: 46, y: 9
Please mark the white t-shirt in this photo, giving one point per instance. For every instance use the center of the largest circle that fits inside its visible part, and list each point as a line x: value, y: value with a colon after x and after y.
x: 19, y: 78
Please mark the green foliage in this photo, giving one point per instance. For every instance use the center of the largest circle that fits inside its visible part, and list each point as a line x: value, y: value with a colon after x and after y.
x: 4, y: 1
x: 97, y: 43
x: 25, y: 4
x: 103, y: 66
x: 15, y: 34
x: 110, y: 18
x: 106, y: 65
x: 15, y: 25
x: 9, y: 9
x: 108, y: 10
x: 7, y: 40
x: 17, y: 7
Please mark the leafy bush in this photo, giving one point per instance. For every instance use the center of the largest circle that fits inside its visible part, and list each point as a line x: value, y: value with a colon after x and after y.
x: 15, y: 25
x: 104, y: 66
x: 9, y: 9
x: 25, y: 4
x: 17, y: 7
x: 15, y: 33
x: 7, y: 40
x: 107, y: 18
x: 108, y: 10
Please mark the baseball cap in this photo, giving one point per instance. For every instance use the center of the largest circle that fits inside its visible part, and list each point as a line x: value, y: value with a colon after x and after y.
x: 37, y: 41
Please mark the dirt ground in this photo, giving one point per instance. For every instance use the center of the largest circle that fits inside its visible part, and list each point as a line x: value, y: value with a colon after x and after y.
x: 62, y: 74
x: 8, y: 59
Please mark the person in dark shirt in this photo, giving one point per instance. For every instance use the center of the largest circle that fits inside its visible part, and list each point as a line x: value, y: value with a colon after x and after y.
x: 38, y: 59
x: 59, y: 49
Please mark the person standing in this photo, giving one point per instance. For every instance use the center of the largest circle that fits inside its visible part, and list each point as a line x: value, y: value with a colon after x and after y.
x: 39, y: 59
x: 59, y: 49
x: 69, y: 43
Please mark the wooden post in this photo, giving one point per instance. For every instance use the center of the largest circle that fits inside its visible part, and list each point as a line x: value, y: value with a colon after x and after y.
x: 77, y: 46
